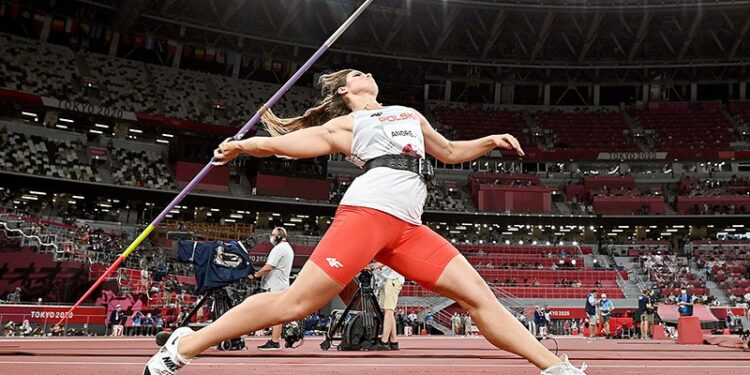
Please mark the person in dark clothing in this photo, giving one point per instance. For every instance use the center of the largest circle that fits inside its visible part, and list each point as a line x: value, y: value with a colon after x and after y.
x: 116, y: 320
x: 646, y: 313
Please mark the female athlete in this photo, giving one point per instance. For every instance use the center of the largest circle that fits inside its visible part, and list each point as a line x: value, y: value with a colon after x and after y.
x: 378, y: 218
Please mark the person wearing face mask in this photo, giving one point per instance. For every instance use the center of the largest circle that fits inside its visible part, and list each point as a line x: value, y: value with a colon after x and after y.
x: 274, y: 276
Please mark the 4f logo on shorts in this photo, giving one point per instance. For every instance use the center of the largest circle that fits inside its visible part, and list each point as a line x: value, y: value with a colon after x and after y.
x: 333, y: 263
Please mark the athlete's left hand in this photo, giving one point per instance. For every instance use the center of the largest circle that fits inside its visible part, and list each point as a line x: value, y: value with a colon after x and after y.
x: 508, y: 142
x: 227, y: 150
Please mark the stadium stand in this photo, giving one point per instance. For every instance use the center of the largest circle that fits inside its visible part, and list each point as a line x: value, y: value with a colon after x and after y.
x: 586, y: 130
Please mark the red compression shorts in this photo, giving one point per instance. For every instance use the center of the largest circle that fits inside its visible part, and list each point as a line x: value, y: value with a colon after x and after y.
x: 360, y: 234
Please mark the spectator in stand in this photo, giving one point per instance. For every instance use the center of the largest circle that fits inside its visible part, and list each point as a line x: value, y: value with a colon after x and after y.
x: 685, y: 303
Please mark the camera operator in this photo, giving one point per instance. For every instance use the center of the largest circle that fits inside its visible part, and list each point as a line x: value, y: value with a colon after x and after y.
x: 390, y: 283
x: 275, y: 276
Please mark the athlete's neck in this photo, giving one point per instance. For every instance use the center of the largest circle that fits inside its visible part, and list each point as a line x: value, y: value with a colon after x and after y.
x: 363, y: 103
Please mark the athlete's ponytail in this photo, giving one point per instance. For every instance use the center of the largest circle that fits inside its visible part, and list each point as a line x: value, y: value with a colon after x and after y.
x: 331, y: 106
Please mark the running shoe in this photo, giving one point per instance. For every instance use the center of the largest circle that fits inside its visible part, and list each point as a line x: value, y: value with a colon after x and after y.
x: 167, y: 361
x: 270, y: 345
x: 565, y: 368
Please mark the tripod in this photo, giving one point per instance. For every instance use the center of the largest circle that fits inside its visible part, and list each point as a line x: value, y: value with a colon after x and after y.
x: 224, y: 298
x: 360, y: 330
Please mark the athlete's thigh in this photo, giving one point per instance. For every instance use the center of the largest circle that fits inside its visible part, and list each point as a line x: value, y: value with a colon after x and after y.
x: 312, y: 287
x: 462, y: 283
x: 420, y: 255
x: 356, y: 235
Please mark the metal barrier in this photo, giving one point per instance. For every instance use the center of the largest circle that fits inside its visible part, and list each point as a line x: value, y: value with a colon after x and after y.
x: 28, y: 239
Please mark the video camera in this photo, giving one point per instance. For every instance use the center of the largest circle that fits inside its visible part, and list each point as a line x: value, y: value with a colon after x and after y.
x: 357, y: 330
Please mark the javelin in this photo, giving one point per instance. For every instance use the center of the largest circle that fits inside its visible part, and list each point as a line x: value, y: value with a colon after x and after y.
x: 248, y: 126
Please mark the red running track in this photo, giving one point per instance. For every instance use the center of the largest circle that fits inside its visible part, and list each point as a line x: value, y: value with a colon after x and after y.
x: 419, y: 355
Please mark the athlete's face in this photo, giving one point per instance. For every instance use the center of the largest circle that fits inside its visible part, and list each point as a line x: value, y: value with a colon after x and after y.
x: 359, y: 83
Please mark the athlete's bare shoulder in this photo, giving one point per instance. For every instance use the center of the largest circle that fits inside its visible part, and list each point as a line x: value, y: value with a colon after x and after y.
x: 340, y: 133
x: 340, y: 124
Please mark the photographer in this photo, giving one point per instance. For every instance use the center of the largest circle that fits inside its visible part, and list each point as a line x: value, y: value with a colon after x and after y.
x: 275, y: 276
x: 15, y: 297
x: 390, y: 283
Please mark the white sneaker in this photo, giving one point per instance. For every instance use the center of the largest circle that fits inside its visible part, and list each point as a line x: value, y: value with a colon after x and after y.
x: 565, y: 368
x: 167, y: 361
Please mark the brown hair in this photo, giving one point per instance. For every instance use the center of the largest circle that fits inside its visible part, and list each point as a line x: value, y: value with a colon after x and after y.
x: 332, y: 105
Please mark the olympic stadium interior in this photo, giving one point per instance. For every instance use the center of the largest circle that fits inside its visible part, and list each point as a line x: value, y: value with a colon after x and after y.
x: 634, y: 116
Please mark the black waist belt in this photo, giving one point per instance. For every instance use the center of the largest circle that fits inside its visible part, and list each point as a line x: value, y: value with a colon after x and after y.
x: 419, y: 166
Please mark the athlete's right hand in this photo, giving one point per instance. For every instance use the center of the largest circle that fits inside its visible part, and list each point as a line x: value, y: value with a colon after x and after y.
x: 227, y: 150
x: 508, y: 142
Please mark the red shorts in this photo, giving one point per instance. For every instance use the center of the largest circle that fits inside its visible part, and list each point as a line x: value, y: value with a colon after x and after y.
x: 360, y: 234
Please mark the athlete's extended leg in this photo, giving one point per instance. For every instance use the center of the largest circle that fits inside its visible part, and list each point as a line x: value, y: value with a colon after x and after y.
x: 353, y: 239
x: 461, y: 283
x: 311, y: 291
x: 425, y: 257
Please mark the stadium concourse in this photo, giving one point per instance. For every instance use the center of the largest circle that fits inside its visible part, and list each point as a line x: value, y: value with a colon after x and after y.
x: 634, y: 188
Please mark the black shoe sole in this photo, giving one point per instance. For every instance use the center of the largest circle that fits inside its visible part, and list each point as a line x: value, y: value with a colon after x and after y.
x: 162, y: 338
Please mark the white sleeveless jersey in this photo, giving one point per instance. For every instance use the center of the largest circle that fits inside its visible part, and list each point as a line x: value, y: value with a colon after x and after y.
x: 393, y: 130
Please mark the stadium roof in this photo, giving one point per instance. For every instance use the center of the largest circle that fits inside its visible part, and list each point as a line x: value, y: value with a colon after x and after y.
x: 514, y: 35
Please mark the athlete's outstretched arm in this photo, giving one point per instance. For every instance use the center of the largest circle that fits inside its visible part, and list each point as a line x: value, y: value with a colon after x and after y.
x: 453, y: 152
x: 332, y: 137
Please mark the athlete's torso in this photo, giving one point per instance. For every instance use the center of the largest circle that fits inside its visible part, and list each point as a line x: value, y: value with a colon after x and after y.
x: 393, y: 130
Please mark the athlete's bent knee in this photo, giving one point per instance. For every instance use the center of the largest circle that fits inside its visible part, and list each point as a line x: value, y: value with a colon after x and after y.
x: 296, y: 309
